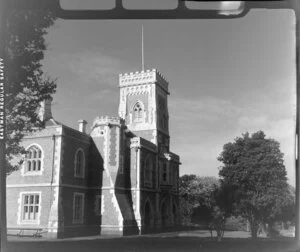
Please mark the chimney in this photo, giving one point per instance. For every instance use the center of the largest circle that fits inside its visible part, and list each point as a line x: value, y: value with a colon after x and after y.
x: 45, y: 110
x: 82, y: 125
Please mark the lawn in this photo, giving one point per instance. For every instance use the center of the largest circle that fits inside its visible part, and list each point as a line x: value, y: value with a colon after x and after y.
x: 181, y: 241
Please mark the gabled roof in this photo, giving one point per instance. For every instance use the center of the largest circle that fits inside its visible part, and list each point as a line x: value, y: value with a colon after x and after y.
x: 52, y: 122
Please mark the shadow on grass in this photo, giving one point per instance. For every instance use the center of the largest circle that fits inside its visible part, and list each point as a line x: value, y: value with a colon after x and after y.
x: 156, y: 243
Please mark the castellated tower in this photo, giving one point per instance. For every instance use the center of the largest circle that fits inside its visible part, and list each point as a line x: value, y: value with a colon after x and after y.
x: 143, y: 106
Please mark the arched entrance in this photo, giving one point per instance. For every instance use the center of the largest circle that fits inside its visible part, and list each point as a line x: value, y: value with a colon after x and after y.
x: 147, y: 217
x: 174, y: 214
x: 164, y: 215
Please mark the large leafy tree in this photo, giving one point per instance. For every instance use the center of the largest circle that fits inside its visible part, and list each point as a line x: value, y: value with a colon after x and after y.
x: 195, y: 192
x: 253, y: 167
x: 205, y: 201
x: 28, y: 85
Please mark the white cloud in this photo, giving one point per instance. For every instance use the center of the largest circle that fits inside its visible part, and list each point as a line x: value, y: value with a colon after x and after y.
x: 92, y: 68
x: 200, y: 128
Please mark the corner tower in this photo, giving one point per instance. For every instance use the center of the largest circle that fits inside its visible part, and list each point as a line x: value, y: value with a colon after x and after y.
x: 144, y: 105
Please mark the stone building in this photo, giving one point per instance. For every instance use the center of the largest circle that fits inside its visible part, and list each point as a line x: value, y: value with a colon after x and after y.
x: 120, y: 179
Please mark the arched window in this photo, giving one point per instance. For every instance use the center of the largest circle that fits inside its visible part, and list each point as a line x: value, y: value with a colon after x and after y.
x: 79, y: 163
x: 138, y: 112
x: 33, y: 161
x: 164, y: 173
x: 175, y: 176
x: 148, y: 169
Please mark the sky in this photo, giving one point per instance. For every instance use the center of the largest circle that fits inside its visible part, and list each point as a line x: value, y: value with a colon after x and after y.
x: 225, y: 77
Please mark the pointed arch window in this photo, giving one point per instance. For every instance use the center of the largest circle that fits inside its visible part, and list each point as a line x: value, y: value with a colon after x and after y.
x: 138, y: 112
x: 148, y: 171
x: 79, y: 163
x: 33, y: 160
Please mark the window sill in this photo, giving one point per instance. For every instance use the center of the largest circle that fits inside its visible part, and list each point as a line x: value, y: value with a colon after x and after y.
x: 39, y: 173
x: 28, y: 222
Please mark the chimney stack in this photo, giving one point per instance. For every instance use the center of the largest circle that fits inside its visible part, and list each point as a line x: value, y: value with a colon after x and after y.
x: 82, y: 125
x: 45, y: 110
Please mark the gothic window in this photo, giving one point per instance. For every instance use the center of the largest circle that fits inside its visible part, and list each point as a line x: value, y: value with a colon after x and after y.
x: 175, y: 176
x: 138, y: 112
x: 33, y: 161
x: 148, y: 170
x: 165, y: 173
x: 79, y: 163
x: 165, y: 122
x: 170, y: 173
x: 121, y: 164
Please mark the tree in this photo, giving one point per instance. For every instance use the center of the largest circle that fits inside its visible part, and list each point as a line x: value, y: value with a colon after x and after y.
x: 206, y: 201
x: 187, y: 197
x: 253, y: 168
x: 215, y: 211
x: 194, y: 192
x: 28, y: 85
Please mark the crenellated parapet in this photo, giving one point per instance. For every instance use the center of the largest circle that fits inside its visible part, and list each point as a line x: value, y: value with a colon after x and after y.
x: 142, y: 78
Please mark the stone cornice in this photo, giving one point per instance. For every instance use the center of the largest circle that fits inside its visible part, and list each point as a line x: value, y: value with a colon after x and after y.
x: 108, y: 120
x: 172, y: 157
x: 138, y: 142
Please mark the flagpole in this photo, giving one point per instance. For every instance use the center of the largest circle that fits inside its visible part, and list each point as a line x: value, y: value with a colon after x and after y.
x: 143, y: 63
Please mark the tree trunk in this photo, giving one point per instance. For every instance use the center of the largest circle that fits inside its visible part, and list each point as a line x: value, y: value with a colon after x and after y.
x: 254, y: 229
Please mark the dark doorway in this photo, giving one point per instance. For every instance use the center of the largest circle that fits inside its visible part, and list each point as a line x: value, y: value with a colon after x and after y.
x: 147, y: 218
x: 164, y: 216
x: 174, y: 214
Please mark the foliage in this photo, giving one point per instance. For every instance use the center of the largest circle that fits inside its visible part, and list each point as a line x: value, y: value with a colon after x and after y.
x: 205, y: 201
x: 217, y: 222
x: 253, y: 169
x: 220, y: 209
x: 194, y: 192
x: 28, y: 85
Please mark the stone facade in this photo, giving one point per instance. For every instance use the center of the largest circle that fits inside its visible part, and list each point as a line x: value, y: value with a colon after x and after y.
x: 120, y: 179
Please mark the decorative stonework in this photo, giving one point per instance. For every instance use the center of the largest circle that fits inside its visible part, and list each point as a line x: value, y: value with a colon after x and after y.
x: 55, y: 219
x: 142, y: 89
x: 143, y: 77
x: 135, y: 142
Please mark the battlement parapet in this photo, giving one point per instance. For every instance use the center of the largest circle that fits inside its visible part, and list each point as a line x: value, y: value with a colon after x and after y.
x: 143, y: 77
